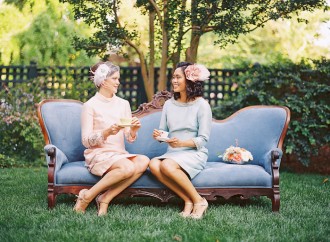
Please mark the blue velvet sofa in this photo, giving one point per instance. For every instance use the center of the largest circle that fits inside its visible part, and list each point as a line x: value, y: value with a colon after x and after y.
x: 259, y: 129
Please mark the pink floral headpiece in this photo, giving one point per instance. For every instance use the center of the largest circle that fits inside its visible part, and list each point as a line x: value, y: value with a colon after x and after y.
x: 197, y: 72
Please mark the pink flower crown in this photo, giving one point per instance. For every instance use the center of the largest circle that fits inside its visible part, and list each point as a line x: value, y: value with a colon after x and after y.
x: 197, y: 72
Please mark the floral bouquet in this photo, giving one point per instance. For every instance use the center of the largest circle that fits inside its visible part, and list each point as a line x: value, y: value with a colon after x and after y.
x: 236, y: 155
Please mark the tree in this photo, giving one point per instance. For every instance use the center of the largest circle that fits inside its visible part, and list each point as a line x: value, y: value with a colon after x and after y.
x: 42, y: 31
x: 172, y: 21
x: 277, y: 41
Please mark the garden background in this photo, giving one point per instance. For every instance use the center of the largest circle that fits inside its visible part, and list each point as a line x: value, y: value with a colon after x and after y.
x: 284, y: 61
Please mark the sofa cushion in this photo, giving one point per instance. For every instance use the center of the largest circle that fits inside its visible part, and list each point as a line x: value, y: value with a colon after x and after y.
x: 219, y: 174
x: 215, y: 175
x: 147, y: 181
x: 75, y: 173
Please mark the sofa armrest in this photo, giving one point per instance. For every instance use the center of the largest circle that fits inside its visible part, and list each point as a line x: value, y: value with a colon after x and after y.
x: 55, y: 157
x: 276, y: 155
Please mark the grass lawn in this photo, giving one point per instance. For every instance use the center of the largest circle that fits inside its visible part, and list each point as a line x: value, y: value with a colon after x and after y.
x: 304, y: 215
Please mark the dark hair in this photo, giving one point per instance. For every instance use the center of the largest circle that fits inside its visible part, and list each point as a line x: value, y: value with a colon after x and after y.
x: 193, y: 89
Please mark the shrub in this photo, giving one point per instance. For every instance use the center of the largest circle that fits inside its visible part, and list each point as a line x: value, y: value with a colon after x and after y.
x: 21, y: 140
x: 303, y: 88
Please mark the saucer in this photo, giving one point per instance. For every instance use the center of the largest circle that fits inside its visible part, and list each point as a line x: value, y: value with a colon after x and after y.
x: 162, y: 139
x: 124, y: 125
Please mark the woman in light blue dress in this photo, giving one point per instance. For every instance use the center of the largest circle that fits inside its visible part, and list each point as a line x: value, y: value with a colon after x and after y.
x: 187, y: 118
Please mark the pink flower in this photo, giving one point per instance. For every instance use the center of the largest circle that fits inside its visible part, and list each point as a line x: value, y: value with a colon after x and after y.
x: 236, y: 154
x: 237, y: 157
x: 197, y: 72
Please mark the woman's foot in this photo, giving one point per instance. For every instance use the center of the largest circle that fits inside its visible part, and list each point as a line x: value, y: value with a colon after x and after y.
x: 199, y: 209
x: 188, y: 207
x: 102, y: 207
x: 81, y: 203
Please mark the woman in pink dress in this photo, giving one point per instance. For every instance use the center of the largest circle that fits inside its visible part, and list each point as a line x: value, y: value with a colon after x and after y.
x: 103, y: 136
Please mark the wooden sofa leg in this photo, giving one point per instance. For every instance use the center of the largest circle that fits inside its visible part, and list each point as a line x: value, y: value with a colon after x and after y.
x: 276, y: 203
x: 51, y: 200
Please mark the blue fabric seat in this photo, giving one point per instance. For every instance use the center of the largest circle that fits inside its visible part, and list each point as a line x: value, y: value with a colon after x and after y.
x: 223, y: 175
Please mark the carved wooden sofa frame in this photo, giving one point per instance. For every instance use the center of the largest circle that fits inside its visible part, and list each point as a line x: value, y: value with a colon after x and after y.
x: 162, y: 193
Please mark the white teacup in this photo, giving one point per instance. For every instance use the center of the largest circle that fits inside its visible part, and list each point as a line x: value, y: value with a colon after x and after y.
x: 125, y: 121
x: 163, y: 134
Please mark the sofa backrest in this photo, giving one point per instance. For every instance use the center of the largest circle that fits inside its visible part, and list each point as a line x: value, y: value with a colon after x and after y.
x: 145, y: 144
x: 258, y: 129
x: 60, y: 120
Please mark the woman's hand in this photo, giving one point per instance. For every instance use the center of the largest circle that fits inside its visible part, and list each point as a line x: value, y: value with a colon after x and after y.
x: 156, y: 133
x: 112, y: 130
x: 136, y: 124
x: 174, y: 142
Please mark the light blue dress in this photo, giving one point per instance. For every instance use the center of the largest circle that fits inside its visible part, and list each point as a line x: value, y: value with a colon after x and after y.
x: 186, y: 121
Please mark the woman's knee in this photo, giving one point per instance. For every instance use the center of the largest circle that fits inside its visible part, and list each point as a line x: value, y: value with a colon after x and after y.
x: 168, y: 166
x: 154, y: 165
x: 127, y: 169
x: 141, y: 163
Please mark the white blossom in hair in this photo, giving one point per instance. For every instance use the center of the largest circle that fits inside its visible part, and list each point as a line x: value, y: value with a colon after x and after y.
x: 100, y: 74
x: 197, y: 72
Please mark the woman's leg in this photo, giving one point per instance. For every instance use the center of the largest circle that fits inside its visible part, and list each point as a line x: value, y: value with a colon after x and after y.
x: 119, y: 171
x: 141, y: 163
x: 154, y: 166
x: 172, y: 170
x: 155, y: 169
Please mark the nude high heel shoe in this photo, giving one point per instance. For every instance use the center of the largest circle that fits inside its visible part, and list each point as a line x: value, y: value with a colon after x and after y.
x: 201, y: 209
x: 98, y: 204
x: 81, y: 203
x: 186, y: 214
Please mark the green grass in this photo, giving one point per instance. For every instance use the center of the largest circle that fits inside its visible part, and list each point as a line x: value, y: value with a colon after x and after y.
x: 304, y: 215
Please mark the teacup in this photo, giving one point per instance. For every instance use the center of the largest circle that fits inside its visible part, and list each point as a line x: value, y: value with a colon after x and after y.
x: 163, y: 134
x: 125, y: 121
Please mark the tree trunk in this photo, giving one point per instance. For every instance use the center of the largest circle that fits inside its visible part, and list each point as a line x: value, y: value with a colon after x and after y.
x: 152, y: 53
x: 163, y: 66
x: 162, y: 81
x: 147, y: 81
x: 176, y: 56
x: 191, y: 52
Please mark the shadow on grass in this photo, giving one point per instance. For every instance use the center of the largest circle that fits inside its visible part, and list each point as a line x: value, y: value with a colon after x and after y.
x: 236, y: 201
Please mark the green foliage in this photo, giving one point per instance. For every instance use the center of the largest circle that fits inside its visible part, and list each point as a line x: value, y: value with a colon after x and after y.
x: 226, y: 19
x: 42, y: 32
x: 276, y: 41
x: 304, y: 88
x: 173, y: 23
x: 21, y: 140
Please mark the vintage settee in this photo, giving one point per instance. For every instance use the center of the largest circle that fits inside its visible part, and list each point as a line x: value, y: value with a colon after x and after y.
x: 259, y: 129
